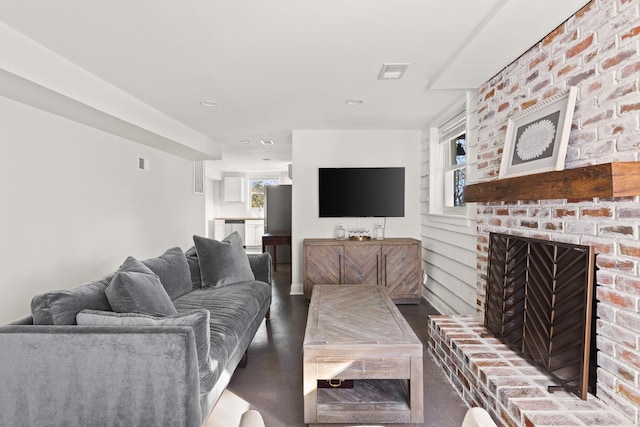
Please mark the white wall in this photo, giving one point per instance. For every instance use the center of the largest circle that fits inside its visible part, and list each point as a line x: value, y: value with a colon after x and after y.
x: 316, y: 149
x: 74, y: 204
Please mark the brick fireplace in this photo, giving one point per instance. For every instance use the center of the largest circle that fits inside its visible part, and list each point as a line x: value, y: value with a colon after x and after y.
x: 598, y: 51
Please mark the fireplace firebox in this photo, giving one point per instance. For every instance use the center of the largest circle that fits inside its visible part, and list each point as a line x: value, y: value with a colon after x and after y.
x: 539, y: 301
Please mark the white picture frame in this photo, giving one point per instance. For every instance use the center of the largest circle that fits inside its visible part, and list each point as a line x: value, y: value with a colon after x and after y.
x: 537, y: 138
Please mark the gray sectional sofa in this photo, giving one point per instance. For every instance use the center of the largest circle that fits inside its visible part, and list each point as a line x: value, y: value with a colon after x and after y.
x: 154, y: 344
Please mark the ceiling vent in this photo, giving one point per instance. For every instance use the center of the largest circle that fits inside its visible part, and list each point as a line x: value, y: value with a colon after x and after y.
x: 392, y: 71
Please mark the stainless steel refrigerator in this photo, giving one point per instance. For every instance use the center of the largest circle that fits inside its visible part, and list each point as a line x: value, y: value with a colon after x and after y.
x: 277, y: 212
x: 277, y: 215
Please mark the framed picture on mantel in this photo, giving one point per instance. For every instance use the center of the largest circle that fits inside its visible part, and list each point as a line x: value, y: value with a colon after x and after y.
x: 537, y: 137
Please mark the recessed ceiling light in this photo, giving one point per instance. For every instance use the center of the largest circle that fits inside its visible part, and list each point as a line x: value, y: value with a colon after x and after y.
x: 209, y: 103
x: 392, y: 71
x: 267, y: 142
x: 266, y: 160
x: 245, y: 141
x: 354, y: 101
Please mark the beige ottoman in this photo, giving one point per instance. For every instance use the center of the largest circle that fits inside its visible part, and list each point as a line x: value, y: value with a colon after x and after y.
x: 477, y: 417
x: 251, y: 418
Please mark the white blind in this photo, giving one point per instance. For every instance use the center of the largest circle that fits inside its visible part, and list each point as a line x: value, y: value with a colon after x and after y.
x: 452, y: 128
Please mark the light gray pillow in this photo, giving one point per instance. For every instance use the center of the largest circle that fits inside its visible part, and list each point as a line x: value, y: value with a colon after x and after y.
x: 60, y: 307
x: 223, y: 263
x: 198, y: 319
x: 137, y: 289
x: 173, y: 271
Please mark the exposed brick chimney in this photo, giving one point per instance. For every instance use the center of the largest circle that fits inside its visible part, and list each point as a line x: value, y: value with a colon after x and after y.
x: 596, y: 50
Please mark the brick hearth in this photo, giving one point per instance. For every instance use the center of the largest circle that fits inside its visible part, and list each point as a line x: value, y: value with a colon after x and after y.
x: 488, y: 374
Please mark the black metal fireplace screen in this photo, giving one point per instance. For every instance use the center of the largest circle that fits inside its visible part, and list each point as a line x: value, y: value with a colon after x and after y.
x: 540, y: 303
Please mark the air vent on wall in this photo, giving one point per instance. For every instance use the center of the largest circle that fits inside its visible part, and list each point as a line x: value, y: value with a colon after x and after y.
x: 198, y: 177
x: 143, y: 164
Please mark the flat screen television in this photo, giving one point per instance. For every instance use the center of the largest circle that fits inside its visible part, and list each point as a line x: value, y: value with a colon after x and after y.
x: 361, y: 192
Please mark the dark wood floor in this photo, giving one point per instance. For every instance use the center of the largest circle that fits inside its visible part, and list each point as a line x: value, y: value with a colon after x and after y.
x: 272, y: 381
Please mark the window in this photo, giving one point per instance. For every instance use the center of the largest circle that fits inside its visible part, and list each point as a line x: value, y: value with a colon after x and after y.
x: 455, y: 170
x: 257, y: 191
x: 448, y: 166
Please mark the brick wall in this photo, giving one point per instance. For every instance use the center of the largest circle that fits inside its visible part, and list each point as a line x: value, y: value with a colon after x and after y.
x: 598, y: 51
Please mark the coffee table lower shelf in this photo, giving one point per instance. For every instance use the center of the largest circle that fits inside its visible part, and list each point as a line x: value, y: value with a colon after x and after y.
x: 377, y: 401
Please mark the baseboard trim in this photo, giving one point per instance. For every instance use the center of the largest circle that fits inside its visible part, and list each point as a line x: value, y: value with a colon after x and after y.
x: 296, y: 289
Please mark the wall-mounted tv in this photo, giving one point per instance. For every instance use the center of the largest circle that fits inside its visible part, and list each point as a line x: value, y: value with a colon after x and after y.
x: 361, y: 192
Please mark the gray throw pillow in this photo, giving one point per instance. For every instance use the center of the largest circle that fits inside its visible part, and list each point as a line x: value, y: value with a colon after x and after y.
x: 173, y: 270
x: 137, y: 289
x: 198, y: 319
x: 194, y: 268
x: 60, y: 307
x: 223, y: 262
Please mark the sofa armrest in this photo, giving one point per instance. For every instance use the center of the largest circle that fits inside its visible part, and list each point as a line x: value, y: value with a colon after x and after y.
x: 261, y: 266
x: 99, y: 376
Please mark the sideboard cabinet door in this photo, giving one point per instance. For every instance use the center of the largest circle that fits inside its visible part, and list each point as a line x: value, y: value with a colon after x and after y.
x: 322, y: 266
x: 362, y: 265
x: 401, y: 271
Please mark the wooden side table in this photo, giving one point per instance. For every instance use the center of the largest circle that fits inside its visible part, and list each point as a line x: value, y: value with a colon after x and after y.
x: 274, y: 239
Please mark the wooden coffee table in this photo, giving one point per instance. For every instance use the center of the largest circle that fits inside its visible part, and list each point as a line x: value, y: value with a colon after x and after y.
x: 356, y: 333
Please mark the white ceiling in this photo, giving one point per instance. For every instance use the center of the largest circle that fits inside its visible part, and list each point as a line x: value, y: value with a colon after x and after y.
x: 277, y: 65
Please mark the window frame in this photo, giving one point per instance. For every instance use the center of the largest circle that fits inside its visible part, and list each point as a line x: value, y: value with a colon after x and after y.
x: 453, y: 123
x: 250, y: 191
x: 450, y: 169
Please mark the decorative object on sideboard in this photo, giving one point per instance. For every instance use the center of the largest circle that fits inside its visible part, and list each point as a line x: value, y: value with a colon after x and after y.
x: 360, y: 234
x: 378, y: 231
x: 537, y: 138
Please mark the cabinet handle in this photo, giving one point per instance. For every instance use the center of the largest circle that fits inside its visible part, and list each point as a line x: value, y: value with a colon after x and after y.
x: 339, y: 269
x: 385, y: 269
x: 377, y: 269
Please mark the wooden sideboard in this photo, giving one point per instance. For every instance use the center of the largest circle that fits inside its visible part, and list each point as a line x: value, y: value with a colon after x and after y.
x: 395, y: 264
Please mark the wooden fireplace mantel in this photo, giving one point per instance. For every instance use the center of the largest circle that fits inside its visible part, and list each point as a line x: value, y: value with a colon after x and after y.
x: 618, y: 179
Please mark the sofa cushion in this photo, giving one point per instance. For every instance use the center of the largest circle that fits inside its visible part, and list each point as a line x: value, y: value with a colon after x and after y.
x: 194, y: 267
x: 234, y: 309
x: 173, y: 270
x: 198, y: 319
x: 137, y: 289
x: 61, y: 307
x: 223, y: 262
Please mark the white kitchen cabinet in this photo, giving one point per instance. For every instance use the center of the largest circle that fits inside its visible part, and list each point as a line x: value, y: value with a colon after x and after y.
x: 234, y: 189
x: 253, y: 231
x: 219, y: 231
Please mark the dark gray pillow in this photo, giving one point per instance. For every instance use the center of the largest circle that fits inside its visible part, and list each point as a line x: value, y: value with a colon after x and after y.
x: 198, y: 319
x: 194, y: 268
x: 173, y: 271
x: 223, y: 262
x: 60, y: 307
x: 137, y: 289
